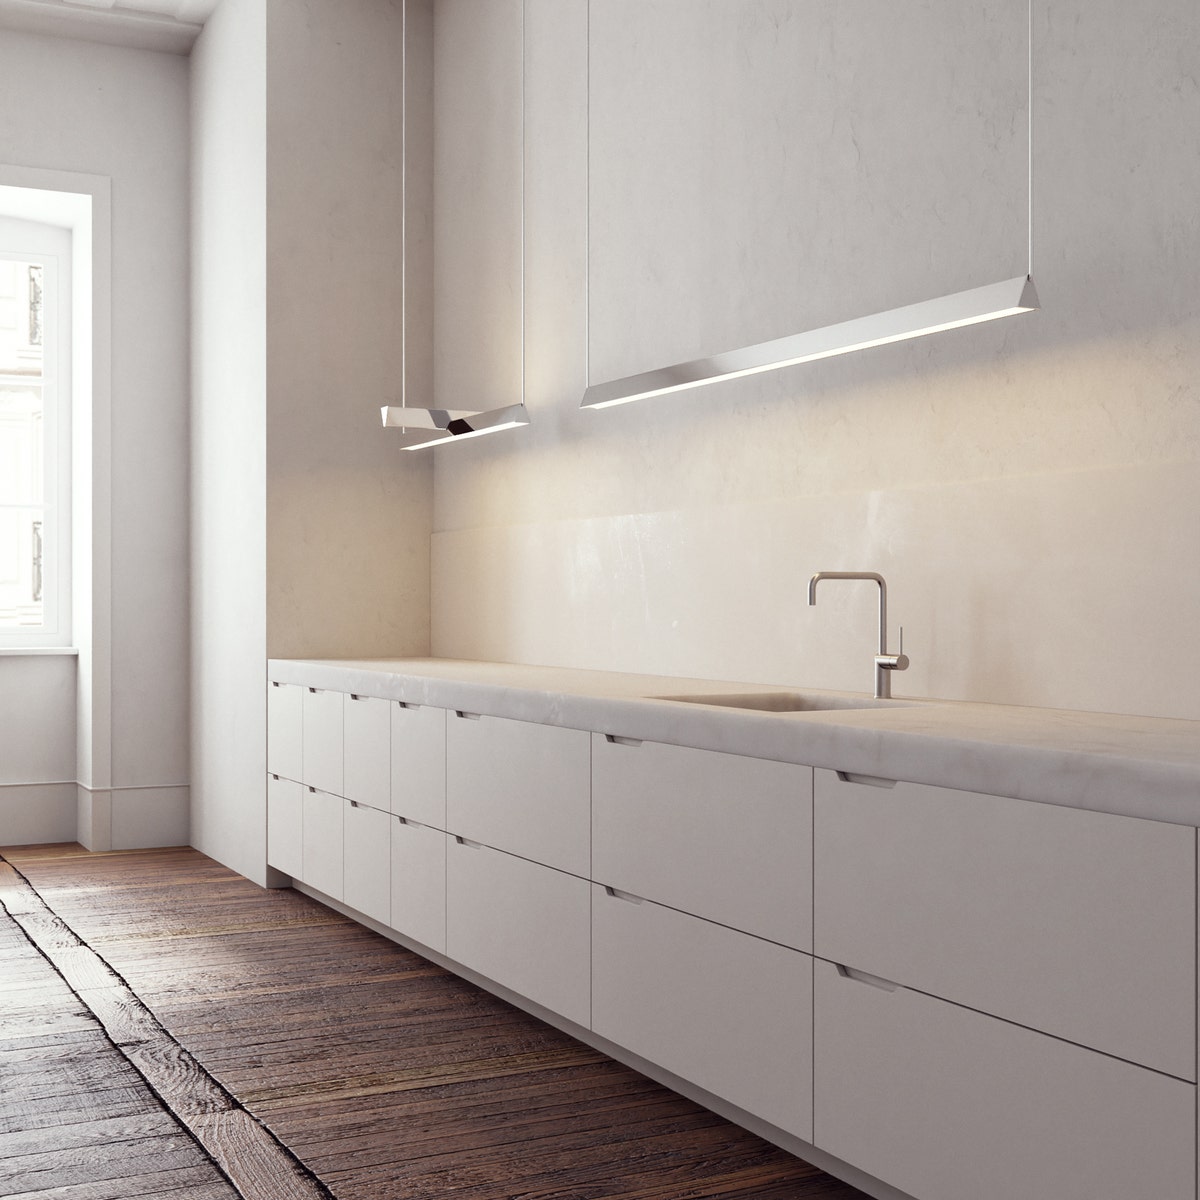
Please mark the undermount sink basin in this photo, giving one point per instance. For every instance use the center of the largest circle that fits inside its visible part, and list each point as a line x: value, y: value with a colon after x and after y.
x: 784, y: 702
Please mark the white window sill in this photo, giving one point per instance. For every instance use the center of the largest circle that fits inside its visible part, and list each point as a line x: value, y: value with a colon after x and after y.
x: 34, y: 651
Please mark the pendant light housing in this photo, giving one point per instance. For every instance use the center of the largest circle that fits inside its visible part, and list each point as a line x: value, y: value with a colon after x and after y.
x: 987, y: 303
x: 452, y: 424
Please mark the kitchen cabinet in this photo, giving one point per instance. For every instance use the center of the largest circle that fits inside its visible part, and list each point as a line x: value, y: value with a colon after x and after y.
x: 366, y: 857
x: 285, y: 725
x: 323, y: 740
x: 524, y: 925
x: 717, y: 835
x: 520, y: 787
x: 322, y: 861
x: 958, y: 993
x: 285, y: 825
x: 366, y: 751
x: 1078, y: 924
x: 725, y: 1010
x: 418, y: 783
x: 944, y: 1103
x: 418, y: 866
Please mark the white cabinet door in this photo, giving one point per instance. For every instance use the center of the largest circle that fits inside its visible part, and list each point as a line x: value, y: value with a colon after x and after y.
x: 419, y: 883
x: 366, y: 751
x: 725, y: 1010
x: 323, y: 740
x: 946, y: 1103
x: 419, y: 763
x: 285, y: 724
x: 521, y: 924
x: 718, y: 835
x: 1078, y: 924
x: 521, y: 787
x: 323, y: 841
x: 367, y: 886
x: 285, y: 826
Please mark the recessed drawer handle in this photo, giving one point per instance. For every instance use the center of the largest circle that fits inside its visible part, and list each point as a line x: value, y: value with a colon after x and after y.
x: 407, y: 705
x: 467, y: 716
x: 867, y: 780
x: 462, y: 841
x: 614, y: 740
x: 416, y: 824
x: 617, y: 894
x: 315, y: 690
x: 884, y: 985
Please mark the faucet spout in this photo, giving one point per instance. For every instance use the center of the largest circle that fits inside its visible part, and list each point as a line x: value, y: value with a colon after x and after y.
x: 885, y: 663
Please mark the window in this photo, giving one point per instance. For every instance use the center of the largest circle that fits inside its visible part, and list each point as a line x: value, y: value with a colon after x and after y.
x: 34, y: 433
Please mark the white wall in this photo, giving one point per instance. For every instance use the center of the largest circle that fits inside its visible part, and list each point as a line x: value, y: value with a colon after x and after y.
x: 228, y: 443
x: 310, y: 532
x: 37, y: 762
x: 348, y: 514
x: 1029, y: 487
x: 122, y: 114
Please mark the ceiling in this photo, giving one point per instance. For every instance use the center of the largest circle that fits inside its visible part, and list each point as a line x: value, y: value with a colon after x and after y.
x: 167, y: 25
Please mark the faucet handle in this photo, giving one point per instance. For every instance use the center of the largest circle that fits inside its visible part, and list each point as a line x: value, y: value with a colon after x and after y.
x: 893, y: 662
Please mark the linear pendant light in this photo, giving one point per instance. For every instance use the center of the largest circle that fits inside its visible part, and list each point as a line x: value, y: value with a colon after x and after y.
x: 896, y: 325
x: 448, y: 425
x: 987, y: 303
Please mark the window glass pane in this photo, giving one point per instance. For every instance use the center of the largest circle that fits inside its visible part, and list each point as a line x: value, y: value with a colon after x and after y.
x: 22, y: 457
x: 21, y: 555
x: 22, y: 445
x: 21, y: 311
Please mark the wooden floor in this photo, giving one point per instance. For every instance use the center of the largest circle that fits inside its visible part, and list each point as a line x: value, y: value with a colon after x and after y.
x: 168, y: 1029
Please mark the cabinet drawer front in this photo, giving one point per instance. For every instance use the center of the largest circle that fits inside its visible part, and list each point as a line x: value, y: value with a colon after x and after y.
x: 722, y: 836
x: 367, y: 753
x: 323, y: 842
x: 285, y: 826
x: 727, y: 1011
x: 419, y: 883
x: 367, y: 886
x: 521, y: 787
x: 521, y: 924
x: 419, y: 763
x: 285, y: 725
x: 944, y: 1103
x: 1078, y: 924
x: 323, y: 740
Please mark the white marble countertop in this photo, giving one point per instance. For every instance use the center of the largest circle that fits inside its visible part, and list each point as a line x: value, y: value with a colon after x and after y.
x: 1133, y: 766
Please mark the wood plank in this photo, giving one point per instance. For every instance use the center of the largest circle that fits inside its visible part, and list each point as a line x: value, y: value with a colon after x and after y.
x: 99, y: 1161
x: 189, y: 1183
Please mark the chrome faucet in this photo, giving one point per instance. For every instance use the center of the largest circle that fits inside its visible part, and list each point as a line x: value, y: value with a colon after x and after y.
x: 885, y: 663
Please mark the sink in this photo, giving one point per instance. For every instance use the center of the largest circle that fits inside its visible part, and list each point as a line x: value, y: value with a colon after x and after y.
x: 785, y: 702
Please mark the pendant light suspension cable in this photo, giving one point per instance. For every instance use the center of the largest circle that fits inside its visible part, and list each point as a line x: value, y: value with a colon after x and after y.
x: 1029, y: 108
x: 404, y: 204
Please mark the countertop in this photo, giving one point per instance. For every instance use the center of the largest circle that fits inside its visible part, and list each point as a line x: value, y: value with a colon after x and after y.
x: 1131, y: 766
